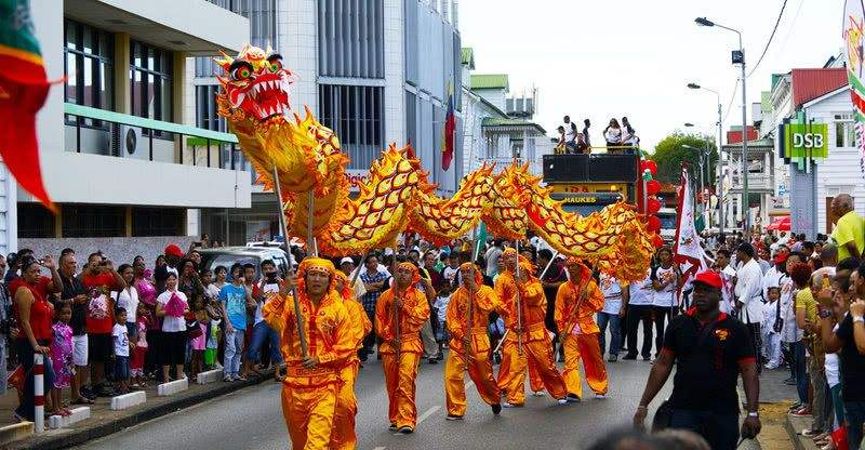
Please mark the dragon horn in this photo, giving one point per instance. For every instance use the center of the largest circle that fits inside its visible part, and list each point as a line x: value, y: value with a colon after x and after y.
x: 225, y: 61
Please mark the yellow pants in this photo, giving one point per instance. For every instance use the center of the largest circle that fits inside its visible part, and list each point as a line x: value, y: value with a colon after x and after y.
x: 587, y: 348
x: 308, y: 413
x: 512, y: 371
x: 480, y: 371
x: 343, y: 436
x: 399, y: 380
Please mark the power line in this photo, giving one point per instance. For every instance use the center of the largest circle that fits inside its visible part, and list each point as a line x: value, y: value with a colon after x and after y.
x: 732, y: 98
x: 771, y: 36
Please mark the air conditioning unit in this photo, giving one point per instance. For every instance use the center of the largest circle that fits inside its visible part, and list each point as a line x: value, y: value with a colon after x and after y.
x: 129, y: 142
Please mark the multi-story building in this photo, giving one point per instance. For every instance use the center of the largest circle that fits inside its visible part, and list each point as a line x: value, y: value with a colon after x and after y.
x: 376, y: 72
x: 498, y: 125
x: 119, y: 151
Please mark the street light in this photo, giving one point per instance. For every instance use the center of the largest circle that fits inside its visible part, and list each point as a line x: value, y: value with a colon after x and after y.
x: 739, y: 58
x: 720, y: 191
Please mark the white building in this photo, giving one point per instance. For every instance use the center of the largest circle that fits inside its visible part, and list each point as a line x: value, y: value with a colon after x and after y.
x: 376, y: 72
x: 498, y: 126
x: 817, y: 96
x: 118, y: 150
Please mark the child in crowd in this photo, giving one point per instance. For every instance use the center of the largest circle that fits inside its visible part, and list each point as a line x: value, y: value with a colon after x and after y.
x: 443, y: 297
x: 198, y: 338
x: 61, y: 358
x: 139, y: 352
x: 212, y: 347
x: 211, y: 290
x: 121, y: 351
x: 771, y: 329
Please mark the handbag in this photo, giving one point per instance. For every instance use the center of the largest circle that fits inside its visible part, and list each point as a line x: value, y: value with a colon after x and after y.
x: 663, y: 416
x: 193, y: 330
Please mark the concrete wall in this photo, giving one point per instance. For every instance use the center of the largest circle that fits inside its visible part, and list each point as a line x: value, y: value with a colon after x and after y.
x: 120, y: 250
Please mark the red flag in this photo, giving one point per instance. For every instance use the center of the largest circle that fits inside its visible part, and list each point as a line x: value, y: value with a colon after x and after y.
x: 449, y: 129
x: 23, y: 89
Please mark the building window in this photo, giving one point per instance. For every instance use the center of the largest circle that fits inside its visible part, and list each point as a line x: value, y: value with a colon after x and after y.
x: 356, y: 115
x: 845, y: 134
x: 34, y: 221
x: 93, y: 221
x: 351, y: 38
x: 150, y: 73
x: 158, y: 221
x: 89, y: 68
x: 205, y: 108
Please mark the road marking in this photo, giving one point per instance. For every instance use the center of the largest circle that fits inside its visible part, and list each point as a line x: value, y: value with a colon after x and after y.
x: 423, y: 417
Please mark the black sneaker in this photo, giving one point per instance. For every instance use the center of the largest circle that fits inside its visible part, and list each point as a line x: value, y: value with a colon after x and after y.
x: 452, y: 417
x: 630, y: 357
x: 392, y: 427
x: 406, y: 430
x: 433, y: 361
x: 647, y: 358
x: 613, y: 358
x: 497, y: 408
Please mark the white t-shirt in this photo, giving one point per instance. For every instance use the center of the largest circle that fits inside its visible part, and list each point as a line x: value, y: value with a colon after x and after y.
x: 450, y: 273
x: 169, y: 323
x: 833, y: 371
x: 642, y: 292
x: 748, y: 288
x: 270, y: 289
x: 790, y: 332
x: 727, y: 289
x: 570, y: 131
x: 121, y: 340
x: 666, y: 297
x: 128, y: 300
x: 612, y: 294
x: 212, y: 292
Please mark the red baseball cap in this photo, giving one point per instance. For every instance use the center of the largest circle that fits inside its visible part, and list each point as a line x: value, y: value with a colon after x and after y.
x: 780, y: 257
x: 709, y: 278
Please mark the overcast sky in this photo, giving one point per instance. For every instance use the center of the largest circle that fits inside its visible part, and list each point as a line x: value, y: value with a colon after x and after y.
x: 601, y: 59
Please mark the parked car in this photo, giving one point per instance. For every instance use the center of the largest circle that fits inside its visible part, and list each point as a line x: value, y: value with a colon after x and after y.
x: 211, y: 258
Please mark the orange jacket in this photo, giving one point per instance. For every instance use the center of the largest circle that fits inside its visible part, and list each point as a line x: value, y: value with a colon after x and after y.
x: 576, y: 304
x: 360, y: 324
x: 329, y: 334
x: 412, y: 315
x: 532, y: 301
x: 483, y: 302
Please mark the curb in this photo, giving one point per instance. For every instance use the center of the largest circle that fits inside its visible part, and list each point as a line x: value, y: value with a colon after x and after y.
x: 86, y: 434
x: 792, y: 424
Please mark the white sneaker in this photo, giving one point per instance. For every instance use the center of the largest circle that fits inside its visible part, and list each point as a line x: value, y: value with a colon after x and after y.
x: 538, y: 393
x: 510, y: 405
x: 562, y: 401
x: 600, y: 396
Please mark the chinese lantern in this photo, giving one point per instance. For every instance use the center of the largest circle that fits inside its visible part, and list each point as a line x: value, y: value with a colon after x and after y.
x: 653, y: 205
x: 654, y: 224
x: 653, y: 187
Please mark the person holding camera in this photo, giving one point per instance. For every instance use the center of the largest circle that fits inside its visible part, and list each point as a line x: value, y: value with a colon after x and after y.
x: 710, y: 350
x: 261, y: 332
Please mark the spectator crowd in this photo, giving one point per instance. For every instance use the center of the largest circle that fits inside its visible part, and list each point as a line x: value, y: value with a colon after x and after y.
x: 108, y: 328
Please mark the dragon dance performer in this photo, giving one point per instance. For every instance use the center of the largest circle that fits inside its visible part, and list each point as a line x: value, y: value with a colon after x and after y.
x: 343, y: 435
x: 311, y: 384
x: 467, y: 320
x: 400, y: 313
x: 527, y: 340
x: 576, y: 304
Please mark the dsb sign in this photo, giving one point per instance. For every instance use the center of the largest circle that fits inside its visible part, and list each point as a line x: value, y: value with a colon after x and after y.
x: 807, y: 140
x: 803, y: 141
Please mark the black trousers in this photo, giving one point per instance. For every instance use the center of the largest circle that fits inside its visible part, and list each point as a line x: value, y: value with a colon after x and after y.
x: 659, y: 316
x: 637, y: 314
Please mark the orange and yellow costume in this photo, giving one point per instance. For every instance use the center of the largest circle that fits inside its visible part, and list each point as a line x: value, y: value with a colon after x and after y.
x: 400, y: 326
x: 467, y: 319
x: 343, y: 435
x: 576, y: 304
x: 309, y: 394
x: 527, y: 338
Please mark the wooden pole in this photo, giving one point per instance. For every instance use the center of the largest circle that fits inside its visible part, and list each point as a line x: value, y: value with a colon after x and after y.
x: 518, y: 304
x: 284, y: 226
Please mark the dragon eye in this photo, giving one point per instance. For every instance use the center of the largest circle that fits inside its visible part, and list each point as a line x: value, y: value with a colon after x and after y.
x: 241, y: 73
x: 275, y: 66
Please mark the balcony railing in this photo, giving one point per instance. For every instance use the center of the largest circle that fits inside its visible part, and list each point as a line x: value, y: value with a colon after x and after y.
x: 101, y: 132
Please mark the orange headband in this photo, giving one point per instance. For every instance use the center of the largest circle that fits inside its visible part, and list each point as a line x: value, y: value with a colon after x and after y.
x: 415, y: 274
x: 317, y: 265
x: 346, y: 289
x: 479, y: 279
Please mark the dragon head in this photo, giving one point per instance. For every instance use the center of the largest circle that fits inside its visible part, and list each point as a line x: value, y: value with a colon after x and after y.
x: 255, y: 83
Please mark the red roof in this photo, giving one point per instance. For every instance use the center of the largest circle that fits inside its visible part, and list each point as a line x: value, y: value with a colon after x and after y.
x: 809, y: 84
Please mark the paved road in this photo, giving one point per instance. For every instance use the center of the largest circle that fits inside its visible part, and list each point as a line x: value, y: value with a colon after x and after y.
x: 252, y: 418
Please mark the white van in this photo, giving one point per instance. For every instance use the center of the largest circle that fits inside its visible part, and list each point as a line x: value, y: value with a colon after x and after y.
x: 668, y: 224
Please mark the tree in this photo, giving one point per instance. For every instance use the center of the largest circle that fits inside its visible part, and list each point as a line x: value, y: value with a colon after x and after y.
x: 671, y: 152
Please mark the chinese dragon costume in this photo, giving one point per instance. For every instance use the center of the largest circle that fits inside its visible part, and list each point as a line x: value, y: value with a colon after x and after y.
x: 397, y: 195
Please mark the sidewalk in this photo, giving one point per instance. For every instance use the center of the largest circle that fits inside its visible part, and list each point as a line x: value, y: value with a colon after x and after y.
x: 775, y: 398
x: 103, y: 421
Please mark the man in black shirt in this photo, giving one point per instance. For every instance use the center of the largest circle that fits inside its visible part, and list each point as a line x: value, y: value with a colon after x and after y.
x: 849, y: 339
x: 710, y: 350
x: 77, y: 296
